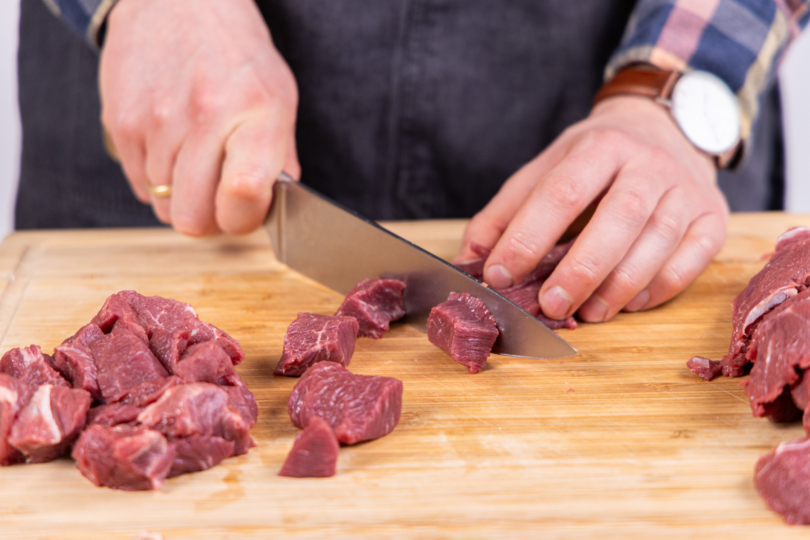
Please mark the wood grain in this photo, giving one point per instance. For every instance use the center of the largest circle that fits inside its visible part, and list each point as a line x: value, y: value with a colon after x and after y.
x: 620, y: 441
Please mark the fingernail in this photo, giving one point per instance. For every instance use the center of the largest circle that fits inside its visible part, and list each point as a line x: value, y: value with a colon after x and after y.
x: 556, y: 303
x: 594, y: 309
x: 638, y: 302
x: 498, y: 277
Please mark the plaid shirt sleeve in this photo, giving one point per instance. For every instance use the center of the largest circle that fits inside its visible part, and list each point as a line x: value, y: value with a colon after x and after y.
x: 740, y: 41
x: 85, y: 17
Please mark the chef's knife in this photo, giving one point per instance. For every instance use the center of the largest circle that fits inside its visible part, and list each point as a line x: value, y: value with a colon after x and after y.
x: 338, y: 248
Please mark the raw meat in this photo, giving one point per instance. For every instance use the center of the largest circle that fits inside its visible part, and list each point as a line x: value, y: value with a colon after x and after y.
x: 525, y: 294
x: 124, y: 361
x: 705, y: 368
x: 205, y: 362
x: 782, y: 409
x: 474, y: 267
x: 145, y: 315
x: 778, y: 347
x: 314, y: 453
x: 464, y: 327
x: 149, y: 391
x: 10, y: 398
x: 782, y: 477
x: 74, y: 360
x: 771, y: 329
x: 194, y: 409
x: 800, y: 391
x: 317, y: 338
x: 198, y: 453
x: 786, y: 274
x: 357, y: 407
x: 113, y: 414
x: 374, y: 303
x: 145, y: 362
x: 31, y: 366
x: 50, y: 422
x: 124, y: 457
x: 242, y: 400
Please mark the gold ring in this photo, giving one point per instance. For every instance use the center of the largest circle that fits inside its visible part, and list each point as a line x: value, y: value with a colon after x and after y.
x: 160, y: 191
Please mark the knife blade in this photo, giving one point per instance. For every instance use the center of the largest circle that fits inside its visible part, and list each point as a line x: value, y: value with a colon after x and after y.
x: 338, y: 248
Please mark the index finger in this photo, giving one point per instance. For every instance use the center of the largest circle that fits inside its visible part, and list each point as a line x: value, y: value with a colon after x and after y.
x: 554, y: 203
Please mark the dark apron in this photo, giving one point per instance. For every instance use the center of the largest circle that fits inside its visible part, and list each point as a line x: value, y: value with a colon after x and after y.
x: 408, y: 108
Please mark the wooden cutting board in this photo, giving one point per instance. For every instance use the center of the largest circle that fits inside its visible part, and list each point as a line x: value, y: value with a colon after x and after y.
x: 619, y: 441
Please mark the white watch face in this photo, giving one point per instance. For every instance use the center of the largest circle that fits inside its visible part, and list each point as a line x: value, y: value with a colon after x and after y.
x: 707, y: 112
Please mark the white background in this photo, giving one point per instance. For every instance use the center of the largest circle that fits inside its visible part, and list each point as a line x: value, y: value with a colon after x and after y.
x: 795, y: 75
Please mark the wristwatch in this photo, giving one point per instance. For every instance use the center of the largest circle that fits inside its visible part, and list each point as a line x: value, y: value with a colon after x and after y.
x: 703, y: 106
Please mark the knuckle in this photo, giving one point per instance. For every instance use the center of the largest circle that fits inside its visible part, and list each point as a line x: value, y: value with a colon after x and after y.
x: 667, y: 227
x: 661, y: 157
x: 707, y: 246
x: 673, y: 280
x: 126, y: 124
x: 205, y: 103
x: 623, y: 279
x: 521, y: 248
x: 632, y: 207
x: 567, y: 195
x: 246, y: 186
x: 584, y: 271
x: 161, y: 114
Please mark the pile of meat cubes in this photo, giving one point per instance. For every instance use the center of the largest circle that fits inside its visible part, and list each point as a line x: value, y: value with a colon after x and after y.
x: 771, y: 337
x: 143, y: 392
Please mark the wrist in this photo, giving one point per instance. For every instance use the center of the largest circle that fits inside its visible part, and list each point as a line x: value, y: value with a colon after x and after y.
x: 701, y: 105
x: 653, y: 124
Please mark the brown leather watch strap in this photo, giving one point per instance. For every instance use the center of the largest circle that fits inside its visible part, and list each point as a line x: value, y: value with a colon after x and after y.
x: 645, y: 81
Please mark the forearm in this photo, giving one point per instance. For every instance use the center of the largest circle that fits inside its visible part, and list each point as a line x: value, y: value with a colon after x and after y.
x: 740, y: 41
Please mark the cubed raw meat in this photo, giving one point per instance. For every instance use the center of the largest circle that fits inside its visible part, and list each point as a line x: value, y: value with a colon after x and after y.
x: 198, y: 409
x: 205, y: 362
x: 113, y: 414
x: 782, y: 477
x: 314, y: 338
x: 374, y: 303
x: 357, y: 407
x: 124, y: 361
x: 32, y: 367
x: 198, y: 453
x: 74, y: 360
x: 314, y: 453
x: 145, y: 315
x: 124, y: 457
x: 50, y: 422
x: 464, y: 327
x: 10, y: 398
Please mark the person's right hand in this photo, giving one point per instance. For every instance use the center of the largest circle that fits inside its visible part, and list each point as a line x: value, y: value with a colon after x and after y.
x: 195, y: 95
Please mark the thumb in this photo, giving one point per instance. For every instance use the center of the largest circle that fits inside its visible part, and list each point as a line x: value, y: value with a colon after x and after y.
x: 255, y: 153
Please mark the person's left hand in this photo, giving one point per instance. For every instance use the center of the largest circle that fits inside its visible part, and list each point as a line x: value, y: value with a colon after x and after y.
x: 660, y: 218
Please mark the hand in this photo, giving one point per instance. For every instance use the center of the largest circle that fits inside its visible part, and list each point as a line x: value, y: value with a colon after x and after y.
x: 195, y: 95
x: 660, y: 217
